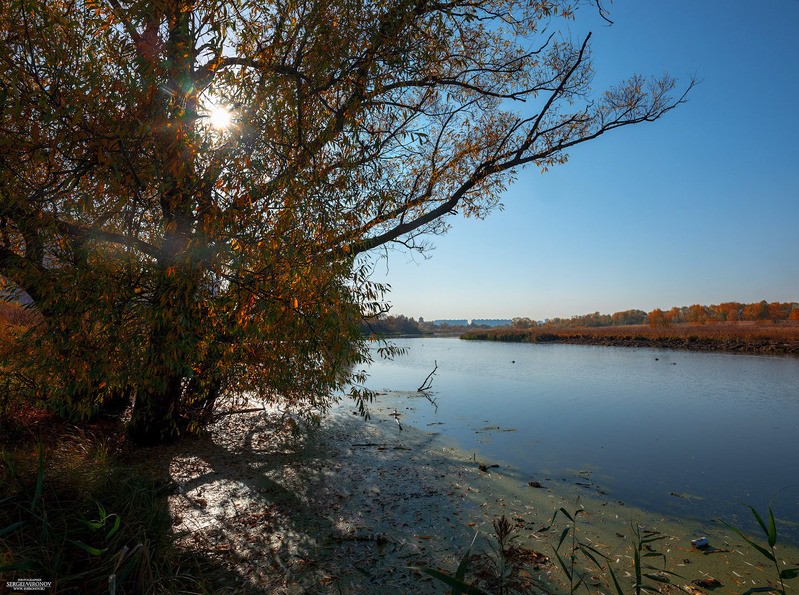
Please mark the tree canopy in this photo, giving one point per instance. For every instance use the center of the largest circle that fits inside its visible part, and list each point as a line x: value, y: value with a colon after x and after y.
x: 174, y: 261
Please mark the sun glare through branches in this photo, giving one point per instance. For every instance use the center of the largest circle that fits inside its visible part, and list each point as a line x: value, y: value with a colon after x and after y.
x: 219, y: 117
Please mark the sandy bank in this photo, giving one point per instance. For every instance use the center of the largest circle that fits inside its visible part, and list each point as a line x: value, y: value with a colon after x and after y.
x: 349, y: 508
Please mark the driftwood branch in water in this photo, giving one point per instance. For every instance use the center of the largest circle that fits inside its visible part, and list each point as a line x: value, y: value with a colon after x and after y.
x: 428, y: 382
x: 380, y: 446
x: 238, y: 412
x: 431, y: 399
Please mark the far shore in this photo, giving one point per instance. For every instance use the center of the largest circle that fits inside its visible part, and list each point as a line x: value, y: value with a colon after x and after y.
x: 745, y: 338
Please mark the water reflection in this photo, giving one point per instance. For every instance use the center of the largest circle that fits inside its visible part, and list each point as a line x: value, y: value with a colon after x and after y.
x: 678, y: 432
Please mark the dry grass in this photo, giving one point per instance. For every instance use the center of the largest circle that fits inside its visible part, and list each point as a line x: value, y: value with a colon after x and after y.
x: 745, y: 337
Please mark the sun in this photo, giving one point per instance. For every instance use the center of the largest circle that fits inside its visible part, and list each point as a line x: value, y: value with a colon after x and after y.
x: 220, y: 117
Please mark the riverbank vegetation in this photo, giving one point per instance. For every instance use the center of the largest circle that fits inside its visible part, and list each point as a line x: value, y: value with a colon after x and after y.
x: 362, y: 510
x: 756, y: 338
x: 758, y: 327
x: 79, y: 511
x: 386, y: 325
x: 761, y: 311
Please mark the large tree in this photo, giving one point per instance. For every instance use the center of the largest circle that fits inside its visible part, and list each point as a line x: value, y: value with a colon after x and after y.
x: 176, y: 261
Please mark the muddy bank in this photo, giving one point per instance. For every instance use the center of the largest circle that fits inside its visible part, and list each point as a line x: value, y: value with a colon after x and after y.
x: 689, y: 343
x: 351, y: 507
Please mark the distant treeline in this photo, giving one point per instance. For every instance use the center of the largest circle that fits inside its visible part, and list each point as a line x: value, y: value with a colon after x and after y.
x: 764, y: 337
x: 696, y: 314
x: 726, y: 312
x: 388, y: 326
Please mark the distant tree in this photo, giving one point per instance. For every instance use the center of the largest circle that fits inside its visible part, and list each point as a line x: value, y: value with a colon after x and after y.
x: 628, y: 317
x: 390, y: 325
x: 591, y: 320
x: 778, y: 311
x: 675, y: 315
x: 698, y: 314
x: 756, y: 311
x: 727, y: 311
x: 794, y: 314
x: 657, y: 318
x: 522, y: 323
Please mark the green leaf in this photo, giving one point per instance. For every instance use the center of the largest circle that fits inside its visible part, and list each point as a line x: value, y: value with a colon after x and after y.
x: 563, y: 565
x: 658, y: 578
x: 789, y: 573
x: 616, y: 584
x: 637, y: 563
x: 759, y: 548
x: 11, y: 528
x: 563, y: 535
x: 93, y: 525
x: 586, y: 551
x: 460, y: 573
x: 450, y: 580
x: 87, y: 548
x: 772, y: 529
x: 551, y: 522
x: 568, y: 516
x: 115, y: 528
x: 759, y: 519
x: 585, y: 546
x: 27, y: 564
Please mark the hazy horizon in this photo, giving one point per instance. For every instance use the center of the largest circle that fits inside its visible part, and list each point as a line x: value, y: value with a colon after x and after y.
x: 395, y: 312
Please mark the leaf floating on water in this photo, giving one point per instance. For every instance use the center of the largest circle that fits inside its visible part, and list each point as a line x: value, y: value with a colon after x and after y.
x: 685, y: 496
x: 707, y: 583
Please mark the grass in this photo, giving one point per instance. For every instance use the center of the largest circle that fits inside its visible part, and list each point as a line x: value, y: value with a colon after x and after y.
x: 76, y: 513
x: 769, y: 553
x: 582, y: 564
x: 740, y: 337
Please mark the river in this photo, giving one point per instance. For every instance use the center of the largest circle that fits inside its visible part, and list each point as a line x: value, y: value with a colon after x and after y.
x: 681, y: 433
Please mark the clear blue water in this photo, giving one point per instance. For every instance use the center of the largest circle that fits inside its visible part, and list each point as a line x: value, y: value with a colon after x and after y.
x: 647, y: 424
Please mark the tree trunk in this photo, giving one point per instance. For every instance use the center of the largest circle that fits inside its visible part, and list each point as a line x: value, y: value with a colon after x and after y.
x: 156, y: 414
x: 159, y: 406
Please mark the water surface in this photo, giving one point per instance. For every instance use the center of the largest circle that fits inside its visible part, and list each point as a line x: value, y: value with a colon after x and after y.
x: 683, y: 433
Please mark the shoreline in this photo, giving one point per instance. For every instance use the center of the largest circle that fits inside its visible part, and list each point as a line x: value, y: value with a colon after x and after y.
x: 352, y: 506
x: 687, y: 343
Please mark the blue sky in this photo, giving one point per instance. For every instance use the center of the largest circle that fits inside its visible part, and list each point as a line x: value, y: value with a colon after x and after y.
x: 699, y: 207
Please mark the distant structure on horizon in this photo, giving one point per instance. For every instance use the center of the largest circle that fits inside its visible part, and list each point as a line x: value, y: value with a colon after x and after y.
x: 475, y: 321
x: 491, y: 322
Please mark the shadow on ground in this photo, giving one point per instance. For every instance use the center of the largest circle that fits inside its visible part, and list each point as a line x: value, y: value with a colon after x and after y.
x: 347, y: 508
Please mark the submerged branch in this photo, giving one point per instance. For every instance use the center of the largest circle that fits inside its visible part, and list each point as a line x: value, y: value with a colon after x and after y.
x: 428, y: 382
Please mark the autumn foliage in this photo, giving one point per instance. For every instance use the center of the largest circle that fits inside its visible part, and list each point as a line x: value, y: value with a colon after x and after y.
x: 173, y: 263
x: 760, y: 327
